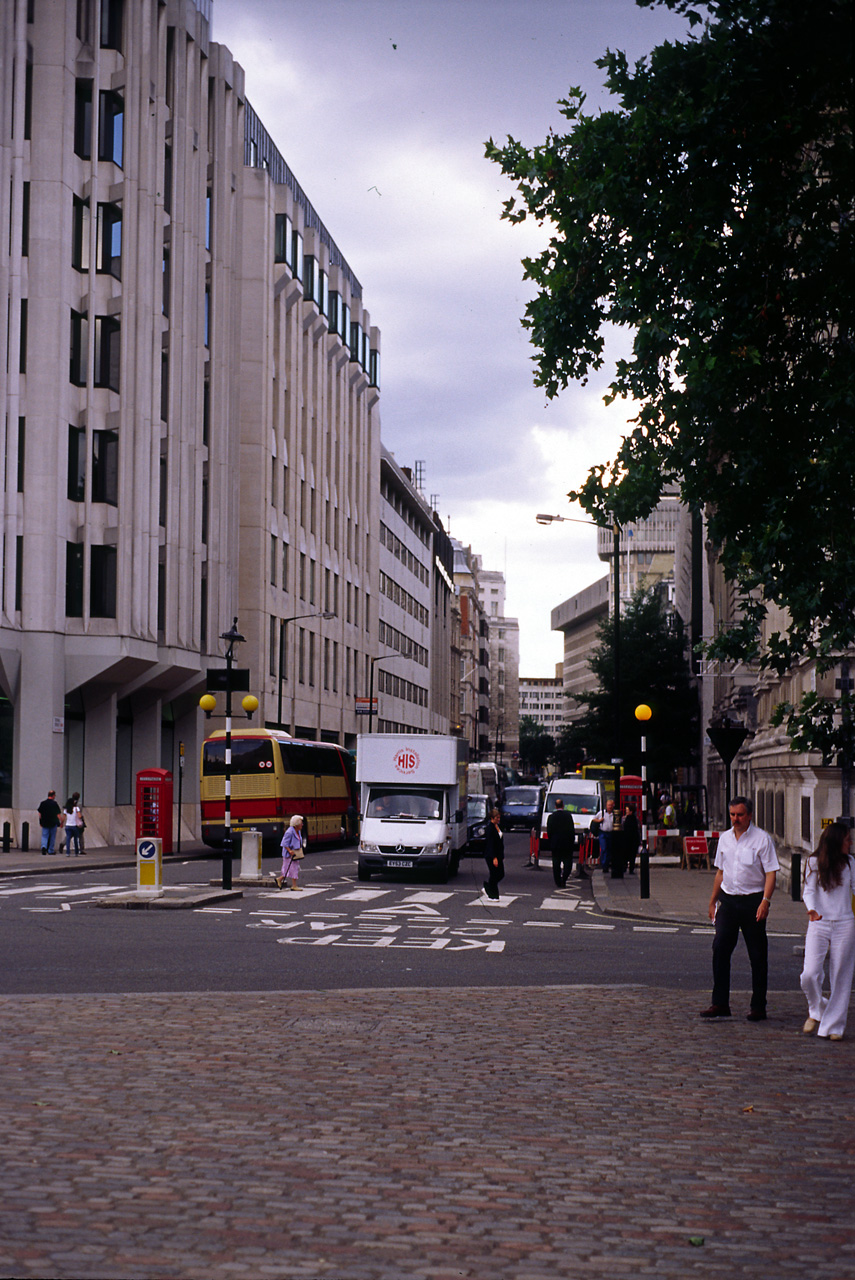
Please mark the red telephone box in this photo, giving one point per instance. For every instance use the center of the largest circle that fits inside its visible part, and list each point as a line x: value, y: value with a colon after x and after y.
x: 631, y: 788
x: 154, y: 806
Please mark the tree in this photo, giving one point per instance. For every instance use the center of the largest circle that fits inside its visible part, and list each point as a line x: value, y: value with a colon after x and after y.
x: 653, y: 670
x: 710, y: 214
x: 536, y: 745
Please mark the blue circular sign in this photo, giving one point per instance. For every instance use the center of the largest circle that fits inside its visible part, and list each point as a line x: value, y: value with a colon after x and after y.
x: 147, y: 849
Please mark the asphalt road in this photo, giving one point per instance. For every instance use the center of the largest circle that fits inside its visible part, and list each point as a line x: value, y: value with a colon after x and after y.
x: 340, y: 934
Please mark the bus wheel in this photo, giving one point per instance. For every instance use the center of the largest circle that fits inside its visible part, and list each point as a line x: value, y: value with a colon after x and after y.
x: 362, y: 873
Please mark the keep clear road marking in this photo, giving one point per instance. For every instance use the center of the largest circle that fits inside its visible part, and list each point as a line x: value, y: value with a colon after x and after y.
x: 483, y: 901
x: 559, y: 904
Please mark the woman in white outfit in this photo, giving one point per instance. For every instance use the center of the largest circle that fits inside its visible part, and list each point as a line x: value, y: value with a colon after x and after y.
x: 828, y: 889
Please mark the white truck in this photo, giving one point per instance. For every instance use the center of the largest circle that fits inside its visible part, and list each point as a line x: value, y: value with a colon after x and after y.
x: 412, y: 808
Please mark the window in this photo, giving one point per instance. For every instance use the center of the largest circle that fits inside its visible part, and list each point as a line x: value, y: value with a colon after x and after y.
x: 167, y: 178
x: 209, y: 196
x: 207, y: 322
x: 283, y: 247
x: 79, y: 348
x: 164, y: 390
x: 284, y: 566
x: 166, y: 281
x: 76, y: 464
x: 80, y: 234
x: 83, y: 119
x: 273, y: 560
x: 302, y: 576
x: 25, y: 220
x: 102, y: 582
x: 105, y: 467
x: 162, y: 491
x: 108, y: 340
x: 22, y: 347
x: 111, y: 24
x: 74, y: 579
x: 22, y: 440
x: 273, y: 646
x: 111, y: 123
x: 110, y: 241
x: 297, y: 255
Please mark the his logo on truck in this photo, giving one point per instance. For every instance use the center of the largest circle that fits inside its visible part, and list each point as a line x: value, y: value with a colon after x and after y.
x: 407, y: 760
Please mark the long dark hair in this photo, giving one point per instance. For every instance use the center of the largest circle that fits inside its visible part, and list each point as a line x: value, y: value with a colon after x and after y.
x: 830, y: 858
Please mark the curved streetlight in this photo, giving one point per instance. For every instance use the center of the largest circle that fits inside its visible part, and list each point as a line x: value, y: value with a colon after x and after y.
x: 283, y: 622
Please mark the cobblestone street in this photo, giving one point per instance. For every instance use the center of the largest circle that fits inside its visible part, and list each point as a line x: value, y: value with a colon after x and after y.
x: 435, y: 1134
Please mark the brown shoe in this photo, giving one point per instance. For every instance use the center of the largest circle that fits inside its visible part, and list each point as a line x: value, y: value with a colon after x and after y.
x: 716, y: 1011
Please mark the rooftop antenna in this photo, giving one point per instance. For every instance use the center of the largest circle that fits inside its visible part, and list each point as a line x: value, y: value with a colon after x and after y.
x: 420, y: 474
x: 434, y: 502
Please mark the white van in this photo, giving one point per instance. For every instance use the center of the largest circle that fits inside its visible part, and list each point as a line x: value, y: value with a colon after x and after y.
x: 583, y: 797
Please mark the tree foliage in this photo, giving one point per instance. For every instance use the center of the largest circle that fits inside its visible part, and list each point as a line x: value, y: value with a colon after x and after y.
x: 710, y: 215
x: 653, y: 670
x: 537, y: 747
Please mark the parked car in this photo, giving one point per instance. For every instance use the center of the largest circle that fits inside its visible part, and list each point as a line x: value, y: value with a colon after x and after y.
x: 478, y: 808
x: 522, y: 808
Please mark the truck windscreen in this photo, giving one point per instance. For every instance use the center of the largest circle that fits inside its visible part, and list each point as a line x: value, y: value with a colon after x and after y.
x: 403, y: 805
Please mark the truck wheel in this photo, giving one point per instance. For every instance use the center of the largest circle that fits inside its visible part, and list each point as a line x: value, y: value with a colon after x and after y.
x: 455, y: 862
x: 362, y: 873
x: 444, y: 873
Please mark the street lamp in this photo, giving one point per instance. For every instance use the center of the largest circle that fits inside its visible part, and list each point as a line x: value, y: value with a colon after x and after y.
x: 380, y: 657
x: 283, y: 622
x: 643, y: 714
x: 617, y: 759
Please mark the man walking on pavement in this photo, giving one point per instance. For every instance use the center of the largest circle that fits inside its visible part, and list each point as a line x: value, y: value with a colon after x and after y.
x: 561, y: 833
x: 49, y: 812
x: 746, y: 864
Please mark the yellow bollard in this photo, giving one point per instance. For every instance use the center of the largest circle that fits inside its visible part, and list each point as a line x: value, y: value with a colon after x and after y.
x: 150, y: 865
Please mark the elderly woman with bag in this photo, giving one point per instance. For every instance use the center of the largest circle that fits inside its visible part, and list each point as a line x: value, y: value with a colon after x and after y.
x: 292, y: 852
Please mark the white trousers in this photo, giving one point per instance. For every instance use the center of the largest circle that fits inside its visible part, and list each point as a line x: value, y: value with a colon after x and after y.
x: 835, y: 939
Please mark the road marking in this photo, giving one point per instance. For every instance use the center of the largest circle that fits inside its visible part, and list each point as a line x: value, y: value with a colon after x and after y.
x: 655, y: 928
x: 545, y: 924
x: 33, y: 888
x: 483, y: 901
x: 363, y: 895
x: 81, y: 893
x: 594, y: 926
x: 559, y: 904
x: 708, y: 933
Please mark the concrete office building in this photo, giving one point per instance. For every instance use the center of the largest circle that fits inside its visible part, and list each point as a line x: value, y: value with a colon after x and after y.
x: 190, y: 410
x: 542, y: 698
x: 474, y: 655
x: 412, y: 674
x: 504, y: 665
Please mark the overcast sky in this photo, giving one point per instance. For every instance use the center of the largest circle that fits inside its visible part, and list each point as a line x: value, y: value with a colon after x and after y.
x: 382, y: 109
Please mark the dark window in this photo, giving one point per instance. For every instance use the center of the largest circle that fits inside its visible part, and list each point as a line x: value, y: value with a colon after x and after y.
x: 102, y: 582
x: 374, y: 368
x: 19, y: 570
x: 208, y: 201
x: 206, y: 499
x: 105, y: 467
x: 161, y: 597
x: 74, y: 579
x: 249, y: 755
x: 110, y: 240
x: 111, y: 127
x: 207, y: 324
x: 108, y: 341
x: 297, y: 255
x: 22, y: 443
x: 83, y: 119
x: 206, y: 411
x: 167, y: 178
x: 164, y: 385
x: 76, y: 463
x: 79, y: 348
x: 22, y: 349
x: 80, y: 234
x: 28, y: 98
x: 282, y: 243
x: 111, y: 24
x: 310, y: 276
x: 334, y: 310
x: 166, y: 282
x: 25, y: 221
x: 161, y: 504
x: 83, y: 7
x: 806, y: 819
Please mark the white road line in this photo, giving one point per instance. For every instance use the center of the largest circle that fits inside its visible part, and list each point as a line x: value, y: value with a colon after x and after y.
x: 544, y: 924
x: 429, y: 897
x: 93, y: 888
x: 559, y: 904
x: 32, y: 888
x: 362, y: 895
x: 655, y: 928
x: 594, y: 926
x: 484, y: 901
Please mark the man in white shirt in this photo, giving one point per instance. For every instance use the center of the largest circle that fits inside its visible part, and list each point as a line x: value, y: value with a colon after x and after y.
x: 746, y: 866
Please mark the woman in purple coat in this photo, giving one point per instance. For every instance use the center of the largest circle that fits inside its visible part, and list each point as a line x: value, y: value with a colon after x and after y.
x: 292, y: 851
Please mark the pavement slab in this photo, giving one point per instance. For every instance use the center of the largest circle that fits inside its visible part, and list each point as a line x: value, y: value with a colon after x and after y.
x: 515, y: 1134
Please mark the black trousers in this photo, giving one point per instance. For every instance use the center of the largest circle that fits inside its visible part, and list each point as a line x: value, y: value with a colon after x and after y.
x: 562, y: 865
x: 494, y: 875
x: 739, y: 912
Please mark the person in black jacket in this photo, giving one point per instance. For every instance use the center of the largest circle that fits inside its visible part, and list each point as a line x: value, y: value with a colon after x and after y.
x: 494, y: 855
x: 561, y: 833
x: 631, y: 836
x: 49, y: 812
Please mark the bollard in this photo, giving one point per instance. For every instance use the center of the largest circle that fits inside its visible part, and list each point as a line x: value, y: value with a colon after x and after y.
x: 644, y: 873
x: 25, y: 837
x: 796, y: 877
x: 250, y: 855
x: 150, y: 866
x: 7, y: 836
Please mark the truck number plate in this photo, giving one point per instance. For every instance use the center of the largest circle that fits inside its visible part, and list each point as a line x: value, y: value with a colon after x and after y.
x: 398, y: 862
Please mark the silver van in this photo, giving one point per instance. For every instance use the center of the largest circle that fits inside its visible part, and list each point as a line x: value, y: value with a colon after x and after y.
x: 583, y: 797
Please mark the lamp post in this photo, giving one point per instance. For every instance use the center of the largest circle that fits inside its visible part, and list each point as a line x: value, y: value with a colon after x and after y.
x: 617, y: 758
x: 283, y: 622
x: 643, y: 714
x: 380, y: 658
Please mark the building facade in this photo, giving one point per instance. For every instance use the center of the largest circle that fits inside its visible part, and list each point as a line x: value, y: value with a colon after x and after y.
x: 542, y: 699
x: 504, y: 723
x: 190, y: 395
x: 474, y: 656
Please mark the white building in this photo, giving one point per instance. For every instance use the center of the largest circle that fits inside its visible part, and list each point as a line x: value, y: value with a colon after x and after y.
x: 504, y: 664
x: 542, y: 699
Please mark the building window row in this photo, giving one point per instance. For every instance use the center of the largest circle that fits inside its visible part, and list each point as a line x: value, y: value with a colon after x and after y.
x: 398, y: 687
x: 395, y: 501
x: 111, y: 123
x: 390, y: 588
x: 394, y: 544
x: 403, y: 644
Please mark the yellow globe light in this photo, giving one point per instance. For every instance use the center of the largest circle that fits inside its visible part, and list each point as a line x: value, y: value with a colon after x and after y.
x: 249, y: 703
x: 207, y: 702
x: 643, y: 712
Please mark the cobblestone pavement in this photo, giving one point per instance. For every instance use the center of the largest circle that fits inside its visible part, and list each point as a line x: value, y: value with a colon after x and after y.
x: 524, y: 1134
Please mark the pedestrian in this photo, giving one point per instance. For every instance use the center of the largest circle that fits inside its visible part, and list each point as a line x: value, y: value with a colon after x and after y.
x: 292, y: 852
x: 746, y: 864
x: 632, y: 836
x: 605, y: 820
x: 494, y: 855
x: 49, y: 816
x: 829, y: 886
x: 561, y: 833
x: 74, y: 824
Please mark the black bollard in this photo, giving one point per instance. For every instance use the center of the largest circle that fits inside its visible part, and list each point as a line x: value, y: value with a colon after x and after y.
x: 796, y: 877
x: 7, y: 836
x: 25, y: 837
x: 644, y: 873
